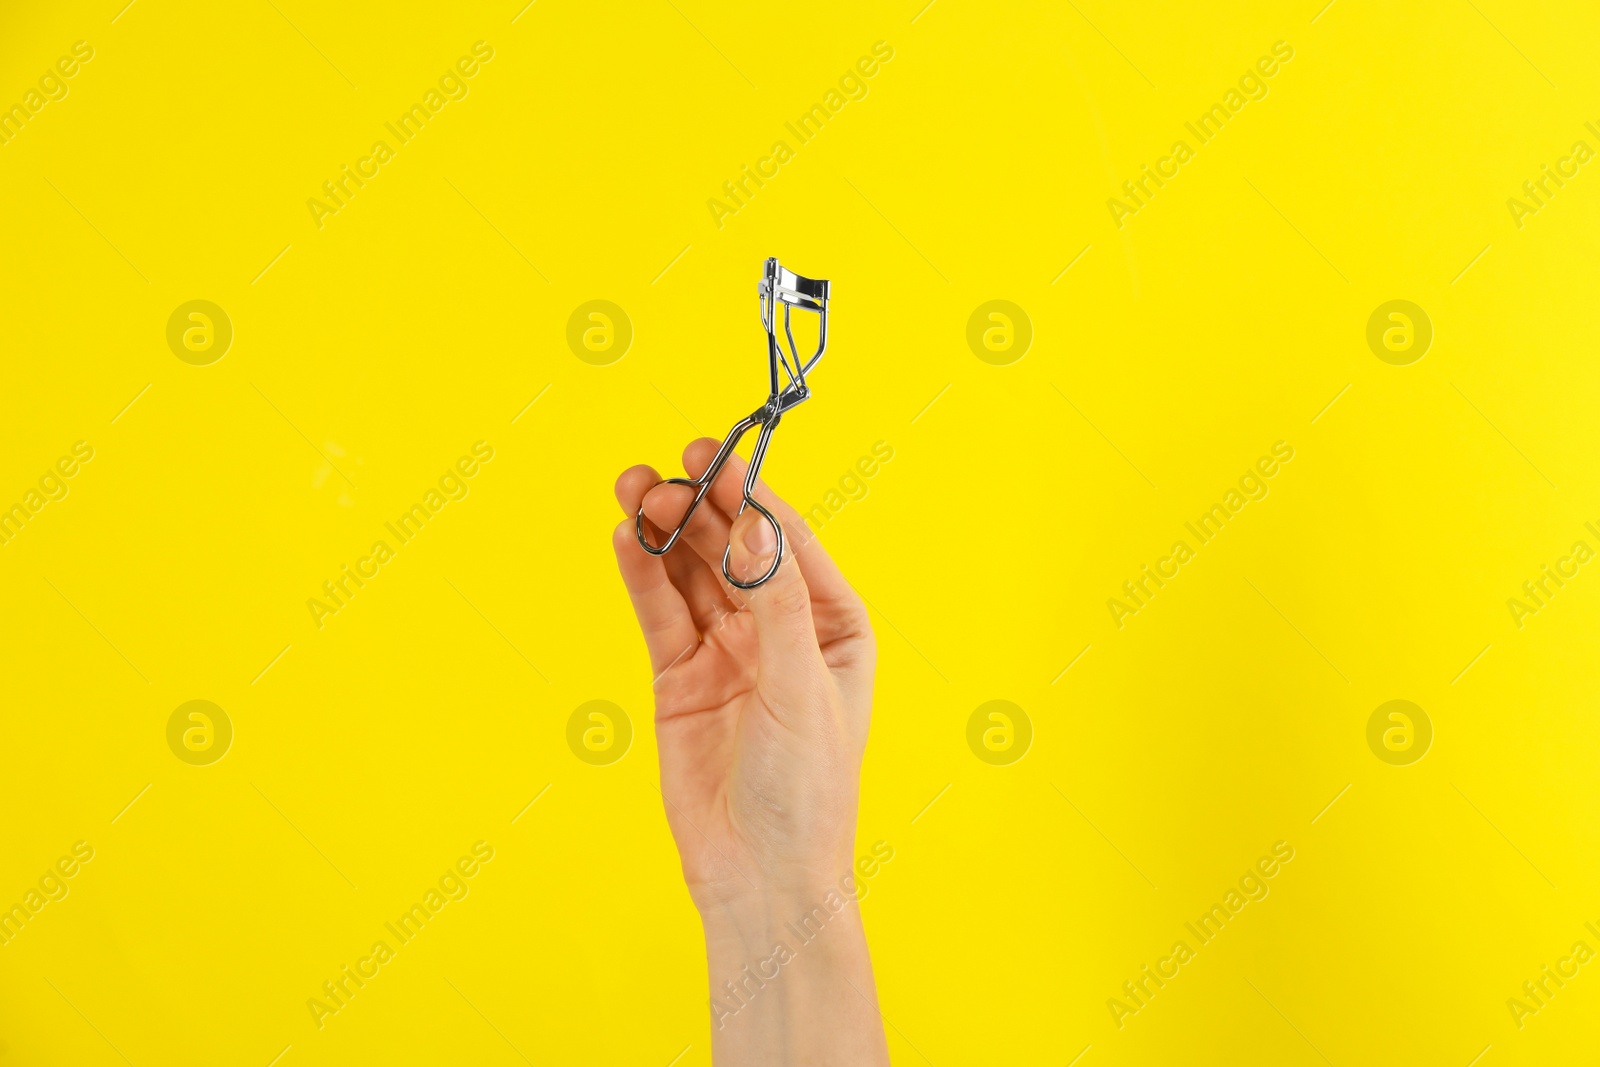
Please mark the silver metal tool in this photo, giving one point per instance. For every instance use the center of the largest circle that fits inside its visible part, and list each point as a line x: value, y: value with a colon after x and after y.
x: 777, y: 286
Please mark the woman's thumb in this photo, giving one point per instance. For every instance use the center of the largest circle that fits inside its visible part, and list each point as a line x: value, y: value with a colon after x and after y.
x: 782, y: 604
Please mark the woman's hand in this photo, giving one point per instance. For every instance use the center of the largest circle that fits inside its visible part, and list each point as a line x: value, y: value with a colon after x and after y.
x: 762, y: 702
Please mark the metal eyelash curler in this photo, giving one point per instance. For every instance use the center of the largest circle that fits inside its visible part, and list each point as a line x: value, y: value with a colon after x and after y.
x: 777, y: 286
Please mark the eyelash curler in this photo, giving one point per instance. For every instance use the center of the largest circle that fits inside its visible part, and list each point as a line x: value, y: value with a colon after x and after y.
x: 777, y: 286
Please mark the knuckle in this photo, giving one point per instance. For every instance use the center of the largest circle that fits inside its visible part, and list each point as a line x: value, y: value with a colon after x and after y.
x: 786, y: 593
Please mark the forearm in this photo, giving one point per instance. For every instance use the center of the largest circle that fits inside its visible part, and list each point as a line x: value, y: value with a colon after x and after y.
x: 791, y: 983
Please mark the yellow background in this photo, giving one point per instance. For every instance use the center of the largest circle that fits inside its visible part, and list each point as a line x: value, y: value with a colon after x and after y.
x: 432, y: 309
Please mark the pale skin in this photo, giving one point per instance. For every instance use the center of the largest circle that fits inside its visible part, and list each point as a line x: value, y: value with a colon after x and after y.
x: 762, y: 704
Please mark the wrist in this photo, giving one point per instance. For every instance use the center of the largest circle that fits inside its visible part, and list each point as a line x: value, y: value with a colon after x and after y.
x: 755, y: 920
x: 765, y: 893
x: 790, y: 977
x: 771, y: 956
x: 770, y: 897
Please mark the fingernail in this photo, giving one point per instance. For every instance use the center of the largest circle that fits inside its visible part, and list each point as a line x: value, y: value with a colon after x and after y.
x: 760, y: 538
